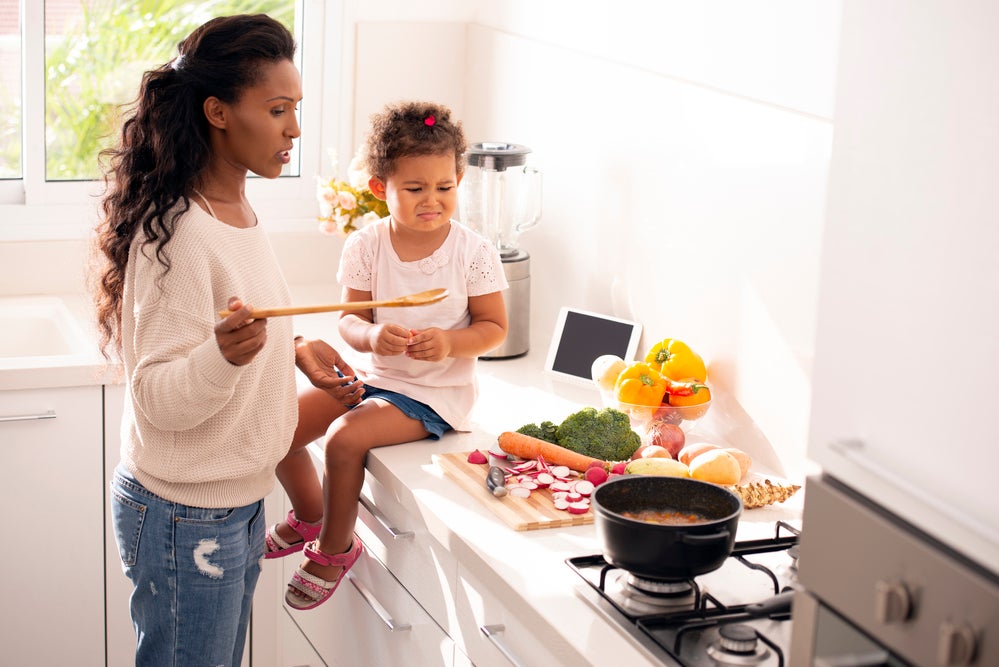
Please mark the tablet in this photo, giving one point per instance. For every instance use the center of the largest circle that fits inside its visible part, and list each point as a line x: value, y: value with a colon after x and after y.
x: 580, y: 337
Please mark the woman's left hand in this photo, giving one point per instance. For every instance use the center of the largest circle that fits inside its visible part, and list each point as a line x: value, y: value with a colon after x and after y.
x: 320, y: 363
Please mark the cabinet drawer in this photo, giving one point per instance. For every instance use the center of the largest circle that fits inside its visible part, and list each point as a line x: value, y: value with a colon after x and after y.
x: 372, y: 620
x: 497, y: 636
x: 398, y: 537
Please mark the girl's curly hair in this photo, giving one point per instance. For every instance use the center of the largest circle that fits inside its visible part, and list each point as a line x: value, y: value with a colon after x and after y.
x: 409, y: 129
x: 164, y: 146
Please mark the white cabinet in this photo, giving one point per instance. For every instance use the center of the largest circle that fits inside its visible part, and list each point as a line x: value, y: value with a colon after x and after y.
x: 497, y: 636
x: 53, y: 560
x: 373, y: 620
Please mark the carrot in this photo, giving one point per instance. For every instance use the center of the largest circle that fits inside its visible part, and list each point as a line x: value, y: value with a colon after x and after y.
x: 528, y: 447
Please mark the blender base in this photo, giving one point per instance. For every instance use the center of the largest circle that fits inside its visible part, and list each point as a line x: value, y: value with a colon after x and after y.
x: 517, y: 269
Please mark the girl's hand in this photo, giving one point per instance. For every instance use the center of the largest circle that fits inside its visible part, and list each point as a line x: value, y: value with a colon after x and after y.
x: 431, y: 344
x: 388, y: 339
x: 321, y: 363
x: 239, y: 336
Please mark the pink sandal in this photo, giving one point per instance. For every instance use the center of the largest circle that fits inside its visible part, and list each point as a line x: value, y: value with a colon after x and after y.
x: 316, y: 589
x: 277, y: 547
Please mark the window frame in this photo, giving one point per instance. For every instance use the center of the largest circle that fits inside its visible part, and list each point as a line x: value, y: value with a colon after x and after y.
x: 32, y: 208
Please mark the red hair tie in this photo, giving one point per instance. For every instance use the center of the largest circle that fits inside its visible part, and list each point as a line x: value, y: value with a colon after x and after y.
x: 429, y: 120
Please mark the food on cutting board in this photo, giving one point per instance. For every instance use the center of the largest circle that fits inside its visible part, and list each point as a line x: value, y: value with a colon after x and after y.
x: 716, y: 466
x: 530, y: 448
x: 604, y: 434
x: 476, y: 456
x: 568, y: 490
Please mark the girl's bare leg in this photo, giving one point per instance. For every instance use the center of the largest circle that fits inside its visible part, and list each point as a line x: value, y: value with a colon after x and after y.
x: 374, y: 423
x: 296, y: 472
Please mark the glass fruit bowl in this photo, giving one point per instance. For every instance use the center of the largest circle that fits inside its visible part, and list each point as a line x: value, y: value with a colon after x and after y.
x: 684, y: 416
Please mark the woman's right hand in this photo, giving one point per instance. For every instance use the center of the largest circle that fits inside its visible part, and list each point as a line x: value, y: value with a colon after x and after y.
x: 239, y: 336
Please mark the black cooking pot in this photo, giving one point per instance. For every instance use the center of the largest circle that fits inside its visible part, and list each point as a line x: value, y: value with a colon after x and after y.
x: 665, y: 552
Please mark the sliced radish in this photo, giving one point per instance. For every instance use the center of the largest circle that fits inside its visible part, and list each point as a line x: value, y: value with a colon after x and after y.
x: 561, y: 504
x: 583, y: 488
x: 560, y: 495
x: 499, y: 453
x: 518, y: 491
x: 528, y: 484
x: 526, y: 466
x: 578, y: 508
x: 560, y: 486
x: 475, y: 456
x: 574, y: 497
x: 562, y: 472
x: 544, y: 479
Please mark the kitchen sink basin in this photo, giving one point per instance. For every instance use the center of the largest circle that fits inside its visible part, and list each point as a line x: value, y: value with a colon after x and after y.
x: 39, y: 327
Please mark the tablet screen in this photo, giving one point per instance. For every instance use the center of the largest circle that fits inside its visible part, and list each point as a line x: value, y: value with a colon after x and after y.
x: 580, y: 337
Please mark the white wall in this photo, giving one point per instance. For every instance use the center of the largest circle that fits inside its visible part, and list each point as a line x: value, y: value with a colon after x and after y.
x: 685, y: 150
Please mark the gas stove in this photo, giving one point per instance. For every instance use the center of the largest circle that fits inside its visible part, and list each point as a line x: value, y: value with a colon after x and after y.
x: 738, y: 614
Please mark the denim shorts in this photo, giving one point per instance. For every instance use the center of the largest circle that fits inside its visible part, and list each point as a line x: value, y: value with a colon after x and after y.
x: 432, y: 422
x: 193, y: 572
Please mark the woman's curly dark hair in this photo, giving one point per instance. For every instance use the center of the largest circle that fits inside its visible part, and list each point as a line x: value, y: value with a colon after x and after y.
x: 164, y: 146
x: 409, y: 129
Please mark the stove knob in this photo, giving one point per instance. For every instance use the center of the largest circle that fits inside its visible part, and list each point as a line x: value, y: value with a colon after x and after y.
x: 892, y: 602
x: 957, y: 644
x: 737, y: 638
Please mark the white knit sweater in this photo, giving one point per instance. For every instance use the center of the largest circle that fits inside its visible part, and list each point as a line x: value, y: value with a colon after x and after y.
x: 198, y: 430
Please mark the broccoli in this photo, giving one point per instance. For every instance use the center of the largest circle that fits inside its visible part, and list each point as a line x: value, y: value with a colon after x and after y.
x: 543, y: 431
x: 603, y: 434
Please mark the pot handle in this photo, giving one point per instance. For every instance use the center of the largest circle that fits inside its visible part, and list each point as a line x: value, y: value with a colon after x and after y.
x: 695, y: 539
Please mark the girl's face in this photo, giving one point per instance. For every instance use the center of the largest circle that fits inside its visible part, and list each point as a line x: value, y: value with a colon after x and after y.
x: 260, y: 126
x: 422, y: 192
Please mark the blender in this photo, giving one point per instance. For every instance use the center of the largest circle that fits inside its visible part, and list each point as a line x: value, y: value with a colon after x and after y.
x: 500, y: 197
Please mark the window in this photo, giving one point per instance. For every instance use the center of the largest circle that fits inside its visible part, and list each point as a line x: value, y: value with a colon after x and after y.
x: 91, y: 54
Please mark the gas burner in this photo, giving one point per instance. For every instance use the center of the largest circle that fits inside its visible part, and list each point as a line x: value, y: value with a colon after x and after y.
x: 658, y: 587
x: 640, y: 597
x: 737, y: 645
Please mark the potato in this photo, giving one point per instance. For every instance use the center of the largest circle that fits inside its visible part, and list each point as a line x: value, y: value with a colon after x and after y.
x: 716, y: 466
x: 744, y: 459
x: 687, y: 454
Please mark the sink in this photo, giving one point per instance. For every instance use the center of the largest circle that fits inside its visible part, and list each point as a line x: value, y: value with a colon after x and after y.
x: 39, y: 327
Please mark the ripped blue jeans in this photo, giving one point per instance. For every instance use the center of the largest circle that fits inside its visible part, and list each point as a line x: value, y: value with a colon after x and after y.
x: 193, y: 571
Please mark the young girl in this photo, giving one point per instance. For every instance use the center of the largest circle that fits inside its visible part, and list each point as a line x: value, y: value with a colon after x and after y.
x: 419, y: 373
x: 211, y: 403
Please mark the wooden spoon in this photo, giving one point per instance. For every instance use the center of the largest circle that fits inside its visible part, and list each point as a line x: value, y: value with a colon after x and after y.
x: 418, y: 299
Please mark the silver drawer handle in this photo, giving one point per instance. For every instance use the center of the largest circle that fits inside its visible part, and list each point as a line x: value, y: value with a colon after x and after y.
x: 376, y: 606
x: 494, y: 634
x: 383, y: 520
x: 51, y: 414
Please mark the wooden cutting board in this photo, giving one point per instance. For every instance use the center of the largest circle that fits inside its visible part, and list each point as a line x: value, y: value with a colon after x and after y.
x: 531, y: 513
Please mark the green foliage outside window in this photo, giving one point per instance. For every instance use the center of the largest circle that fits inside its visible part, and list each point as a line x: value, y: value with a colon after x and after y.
x: 95, y: 66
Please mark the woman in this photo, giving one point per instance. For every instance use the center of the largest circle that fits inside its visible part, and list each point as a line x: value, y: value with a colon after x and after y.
x: 211, y: 403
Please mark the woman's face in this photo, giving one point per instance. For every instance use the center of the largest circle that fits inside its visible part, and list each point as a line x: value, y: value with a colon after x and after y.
x: 259, y: 128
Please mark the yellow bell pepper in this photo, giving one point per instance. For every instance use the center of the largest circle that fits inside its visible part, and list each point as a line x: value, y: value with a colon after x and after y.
x: 640, y: 384
x: 674, y: 359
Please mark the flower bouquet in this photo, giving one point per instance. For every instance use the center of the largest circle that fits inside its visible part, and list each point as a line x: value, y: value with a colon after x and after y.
x: 345, y: 206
